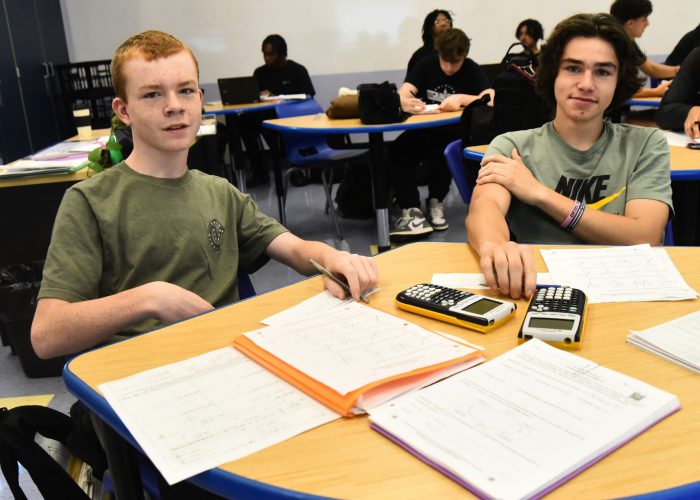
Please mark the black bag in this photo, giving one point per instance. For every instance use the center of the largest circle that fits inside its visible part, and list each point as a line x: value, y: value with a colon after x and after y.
x: 18, y: 427
x: 380, y: 103
x: 516, y: 105
x: 354, y: 196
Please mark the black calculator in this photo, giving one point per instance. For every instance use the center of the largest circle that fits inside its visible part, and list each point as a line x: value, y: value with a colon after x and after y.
x: 555, y: 315
x: 469, y: 310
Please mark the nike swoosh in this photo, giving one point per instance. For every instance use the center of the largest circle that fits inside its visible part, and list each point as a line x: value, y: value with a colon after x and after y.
x: 415, y: 224
x: 601, y: 203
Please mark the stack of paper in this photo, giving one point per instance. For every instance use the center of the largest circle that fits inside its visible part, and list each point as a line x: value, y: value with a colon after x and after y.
x: 356, y: 357
x: 677, y: 341
x: 23, y: 168
x: 284, y: 97
x: 197, y: 414
x: 523, y: 423
x: 619, y: 274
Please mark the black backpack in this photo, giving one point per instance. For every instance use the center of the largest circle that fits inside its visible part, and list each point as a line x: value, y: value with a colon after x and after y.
x: 18, y: 428
x: 516, y: 105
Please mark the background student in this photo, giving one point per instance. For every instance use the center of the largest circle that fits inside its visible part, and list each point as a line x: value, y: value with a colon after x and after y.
x: 452, y: 81
x: 529, y: 32
x: 149, y: 242
x: 436, y: 22
x: 680, y: 107
x: 278, y: 76
x: 578, y: 178
x: 634, y: 17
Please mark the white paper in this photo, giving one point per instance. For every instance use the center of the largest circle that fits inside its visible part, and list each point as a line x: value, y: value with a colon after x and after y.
x: 284, y: 97
x: 356, y: 345
x: 677, y: 341
x: 619, y: 274
x: 429, y: 109
x: 525, y: 420
x: 677, y: 138
x: 476, y: 281
x: 322, y: 303
x: 197, y: 414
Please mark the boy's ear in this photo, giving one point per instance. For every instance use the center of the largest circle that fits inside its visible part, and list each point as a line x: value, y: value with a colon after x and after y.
x: 119, y: 107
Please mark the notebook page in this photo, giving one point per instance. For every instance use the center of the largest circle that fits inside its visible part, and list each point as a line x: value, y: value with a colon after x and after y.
x: 356, y: 345
x: 678, y: 340
x: 522, y: 423
x: 618, y: 274
x: 202, y: 412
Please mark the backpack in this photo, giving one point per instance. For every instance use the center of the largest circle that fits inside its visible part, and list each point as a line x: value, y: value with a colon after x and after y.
x: 380, y: 103
x: 355, y: 195
x: 516, y: 105
x: 18, y: 428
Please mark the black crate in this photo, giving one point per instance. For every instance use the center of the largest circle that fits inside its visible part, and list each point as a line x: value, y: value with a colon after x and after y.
x: 85, y: 79
x: 100, y: 109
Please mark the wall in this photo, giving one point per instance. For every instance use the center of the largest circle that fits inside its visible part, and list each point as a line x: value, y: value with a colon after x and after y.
x: 333, y: 39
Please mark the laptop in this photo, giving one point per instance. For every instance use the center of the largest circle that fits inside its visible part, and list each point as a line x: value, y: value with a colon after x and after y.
x: 241, y: 90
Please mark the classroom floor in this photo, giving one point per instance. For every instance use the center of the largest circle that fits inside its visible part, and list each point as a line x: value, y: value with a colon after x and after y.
x: 305, y: 218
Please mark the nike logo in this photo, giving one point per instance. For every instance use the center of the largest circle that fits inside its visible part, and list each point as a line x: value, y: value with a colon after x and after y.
x: 601, y: 203
x: 416, y: 223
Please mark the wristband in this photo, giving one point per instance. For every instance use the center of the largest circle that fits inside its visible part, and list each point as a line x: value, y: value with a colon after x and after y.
x: 577, y: 217
x: 571, y: 215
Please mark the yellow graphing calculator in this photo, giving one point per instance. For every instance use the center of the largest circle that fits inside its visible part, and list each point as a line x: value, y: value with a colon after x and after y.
x: 455, y: 306
x: 556, y: 315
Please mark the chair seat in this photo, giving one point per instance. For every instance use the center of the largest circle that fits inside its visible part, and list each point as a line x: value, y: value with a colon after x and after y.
x: 327, y: 155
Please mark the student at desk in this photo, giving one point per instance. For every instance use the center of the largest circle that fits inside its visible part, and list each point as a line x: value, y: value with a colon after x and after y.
x: 450, y: 81
x: 680, y: 107
x: 633, y: 15
x: 277, y: 76
x: 150, y: 242
x: 578, y: 178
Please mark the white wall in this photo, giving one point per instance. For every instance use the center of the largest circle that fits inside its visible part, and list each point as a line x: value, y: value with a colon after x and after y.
x: 330, y: 36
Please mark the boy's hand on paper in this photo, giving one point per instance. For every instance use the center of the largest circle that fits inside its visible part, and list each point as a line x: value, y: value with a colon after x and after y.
x: 412, y: 105
x: 512, y: 174
x: 451, y: 103
x: 173, y: 303
x: 359, y: 271
x: 509, y: 267
x: 692, y: 123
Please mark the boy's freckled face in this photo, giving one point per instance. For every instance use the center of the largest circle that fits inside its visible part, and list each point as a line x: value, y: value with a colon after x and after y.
x: 164, y: 101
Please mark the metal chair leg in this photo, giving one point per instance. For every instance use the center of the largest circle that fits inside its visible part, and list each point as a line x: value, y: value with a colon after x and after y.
x: 326, y: 176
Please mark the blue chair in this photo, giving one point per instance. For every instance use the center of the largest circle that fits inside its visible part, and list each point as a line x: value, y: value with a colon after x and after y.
x: 305, y: 151
x: 245, y: 286
x: 453, y: 155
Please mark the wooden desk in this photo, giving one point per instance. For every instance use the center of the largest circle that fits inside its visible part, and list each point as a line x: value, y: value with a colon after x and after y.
x: 345, y: 459
x: 321, y: 124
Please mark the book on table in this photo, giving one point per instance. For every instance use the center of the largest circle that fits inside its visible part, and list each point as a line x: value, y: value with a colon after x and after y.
x: 357, y: 357
x: 523, y: 423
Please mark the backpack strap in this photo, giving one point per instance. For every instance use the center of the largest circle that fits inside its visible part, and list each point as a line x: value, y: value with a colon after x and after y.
x: 18, y: 427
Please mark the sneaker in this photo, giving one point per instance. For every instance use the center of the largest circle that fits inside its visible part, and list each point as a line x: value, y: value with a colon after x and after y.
x: 412, y: 224
x: 436, y: 214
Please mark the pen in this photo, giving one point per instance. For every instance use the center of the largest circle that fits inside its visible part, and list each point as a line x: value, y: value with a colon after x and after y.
x: 336, y: 280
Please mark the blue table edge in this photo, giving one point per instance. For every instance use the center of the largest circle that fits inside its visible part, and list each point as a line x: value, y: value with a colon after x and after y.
x: 362, y: 129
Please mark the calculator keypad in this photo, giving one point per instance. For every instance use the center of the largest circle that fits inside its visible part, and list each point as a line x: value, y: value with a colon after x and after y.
x: 558, y: 299
x: 436, y: 294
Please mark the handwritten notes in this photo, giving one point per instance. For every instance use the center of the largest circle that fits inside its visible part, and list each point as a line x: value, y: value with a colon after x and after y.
x: 196, y: 414
x: 677, y: 341
x: 356, y: 346
x: 619, y: 274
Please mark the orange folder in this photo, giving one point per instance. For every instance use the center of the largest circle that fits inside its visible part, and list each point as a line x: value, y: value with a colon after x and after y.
x: 350, y: 404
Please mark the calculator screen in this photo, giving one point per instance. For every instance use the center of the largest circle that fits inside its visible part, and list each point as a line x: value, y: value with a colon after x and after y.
x: 481, y: 306
x: 551, y: 323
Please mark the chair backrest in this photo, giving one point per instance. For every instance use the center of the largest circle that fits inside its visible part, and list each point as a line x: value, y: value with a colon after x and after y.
x: 245, y: 286
x: 453, y: 155
x: 300, y: 148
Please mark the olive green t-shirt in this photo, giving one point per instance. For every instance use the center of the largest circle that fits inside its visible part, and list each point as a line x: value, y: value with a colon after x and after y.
x: 626, y: 163
x: 121, y: 229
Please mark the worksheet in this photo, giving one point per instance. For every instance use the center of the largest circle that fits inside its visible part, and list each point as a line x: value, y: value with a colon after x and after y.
x: 636, y: 273
x: 356, y: 345
x: 202, y: 412
x: 522, y: 423
x: 677, y: 341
